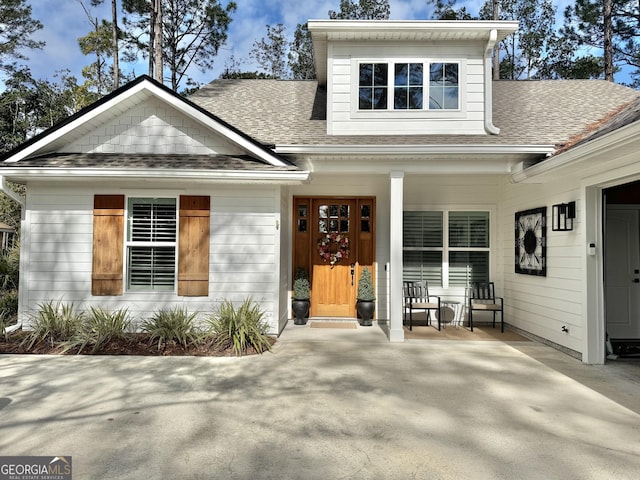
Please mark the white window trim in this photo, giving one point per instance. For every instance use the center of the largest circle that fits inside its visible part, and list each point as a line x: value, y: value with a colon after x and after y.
x: 445, y: 289
x: 425, y: 112
x: 128, y: 244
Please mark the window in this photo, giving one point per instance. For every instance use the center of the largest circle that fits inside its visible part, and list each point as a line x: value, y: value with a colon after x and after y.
x: 407, y: 91
x: 443, y: 86
x: 373, y: 86
x: 151, y: 244
x: 455, y: 256
x: 409, y: 86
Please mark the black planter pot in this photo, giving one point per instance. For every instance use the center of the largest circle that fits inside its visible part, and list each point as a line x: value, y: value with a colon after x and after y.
x: 365, y: 311
x: 300, y: 309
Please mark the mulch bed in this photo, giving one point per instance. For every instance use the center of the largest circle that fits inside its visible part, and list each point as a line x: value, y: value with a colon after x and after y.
x: 132, y: 344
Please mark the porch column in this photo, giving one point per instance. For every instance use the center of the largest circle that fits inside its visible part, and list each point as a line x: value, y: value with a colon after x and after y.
x: 396, y: 332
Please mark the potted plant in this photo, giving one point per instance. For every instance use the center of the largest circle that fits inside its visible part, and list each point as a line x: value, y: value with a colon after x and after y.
x: 366, y: 298
x: 301, y: 294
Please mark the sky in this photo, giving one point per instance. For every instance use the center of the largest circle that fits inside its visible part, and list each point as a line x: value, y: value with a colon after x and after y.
x: 65, y: 20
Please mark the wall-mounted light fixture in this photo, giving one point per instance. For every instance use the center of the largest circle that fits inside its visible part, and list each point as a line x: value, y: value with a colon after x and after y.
x: 562, y: 216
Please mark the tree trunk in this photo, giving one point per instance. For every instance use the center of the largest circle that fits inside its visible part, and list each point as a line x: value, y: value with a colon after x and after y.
x: 116, y: 63
x: 152, y: 36
x: 158, y: 41
x: 496, y: 48
x: 99, y: 61
x: 608, y: 43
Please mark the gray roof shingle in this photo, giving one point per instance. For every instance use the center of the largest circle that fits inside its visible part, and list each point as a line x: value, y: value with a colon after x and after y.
x: 542, y: 112
x: 156, y: 161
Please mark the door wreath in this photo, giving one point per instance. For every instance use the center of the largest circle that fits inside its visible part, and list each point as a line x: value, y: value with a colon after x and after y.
x: 333, y: 247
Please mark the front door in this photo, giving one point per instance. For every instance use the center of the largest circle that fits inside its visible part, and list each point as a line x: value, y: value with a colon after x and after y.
x: 333, y: 239
x: 622, y: 273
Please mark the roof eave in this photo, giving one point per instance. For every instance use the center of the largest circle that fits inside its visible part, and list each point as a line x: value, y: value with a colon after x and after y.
x: 22, y: 174
x: 622, y: 139
x: 396, y: 150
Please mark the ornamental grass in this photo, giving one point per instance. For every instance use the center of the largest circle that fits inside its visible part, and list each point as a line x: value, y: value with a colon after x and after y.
x: 240, y: 329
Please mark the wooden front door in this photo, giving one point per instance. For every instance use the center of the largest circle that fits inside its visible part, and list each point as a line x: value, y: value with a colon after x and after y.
x: 333, y: 239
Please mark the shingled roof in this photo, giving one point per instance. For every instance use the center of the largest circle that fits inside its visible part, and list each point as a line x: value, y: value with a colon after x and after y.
x: 544, y: 112
x: 146, y: 161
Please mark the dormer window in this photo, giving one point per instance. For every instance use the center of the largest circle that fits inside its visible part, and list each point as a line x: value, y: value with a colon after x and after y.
x: 443, y: 86
x: 409, y: 88
x: 373, y: 86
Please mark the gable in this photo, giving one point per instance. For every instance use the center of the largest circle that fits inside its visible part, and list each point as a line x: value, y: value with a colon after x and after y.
x: 146, y: 109
x: 152, y: 127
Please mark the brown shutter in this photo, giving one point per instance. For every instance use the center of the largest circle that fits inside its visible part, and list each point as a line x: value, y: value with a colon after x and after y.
x: 108, y: 237
x: 193, y: 246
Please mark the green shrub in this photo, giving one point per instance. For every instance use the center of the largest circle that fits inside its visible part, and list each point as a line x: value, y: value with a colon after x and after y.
x: 99, y: 328
x: 301, y: 289
x: 172, y: 325
x: 3, y: 329
x: 365, y: 286
x: 9, y: 306
x: 55, y: 322
x: 10, y: 268
x: 239, y: 329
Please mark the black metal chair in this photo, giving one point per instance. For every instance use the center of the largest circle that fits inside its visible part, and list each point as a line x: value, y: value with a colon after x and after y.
x: 416, y: 297
x: 482, y: 297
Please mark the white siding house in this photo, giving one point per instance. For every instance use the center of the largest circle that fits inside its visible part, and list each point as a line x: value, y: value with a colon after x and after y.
x: 404, y: 146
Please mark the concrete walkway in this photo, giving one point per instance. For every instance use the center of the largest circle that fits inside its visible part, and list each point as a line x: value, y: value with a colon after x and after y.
x: 329, y: 404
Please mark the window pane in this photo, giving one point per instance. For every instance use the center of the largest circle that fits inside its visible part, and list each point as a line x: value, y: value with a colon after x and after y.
x: 415, y: 74
x: 400, y: 98
x: 469, y: 229
x: 450, y: 99
x: 436, y: 98
x: 151, y: 268
x: 380, y: 98
x: 366, y: 74
x: 468, y: 267
x: 380, y: 74
x: 423, y: 266
x: 422, y: 229
x: 152, y: 220
x: 401, y: 75
x: 415, y: 98
x: 436, y: 74
x: 365, y: 99
x: 451, y: 74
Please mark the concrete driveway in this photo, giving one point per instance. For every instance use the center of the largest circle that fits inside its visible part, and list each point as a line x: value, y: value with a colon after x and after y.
x: 329, y: 404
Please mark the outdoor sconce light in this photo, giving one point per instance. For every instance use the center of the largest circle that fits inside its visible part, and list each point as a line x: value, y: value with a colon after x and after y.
x: 562, y: 216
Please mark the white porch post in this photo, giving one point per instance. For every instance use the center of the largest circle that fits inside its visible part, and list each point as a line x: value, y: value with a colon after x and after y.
x: 396, y: 332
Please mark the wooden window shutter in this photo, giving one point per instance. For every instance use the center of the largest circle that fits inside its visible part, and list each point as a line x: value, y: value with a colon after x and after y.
x: 193, y: 246
x: 108, y: 238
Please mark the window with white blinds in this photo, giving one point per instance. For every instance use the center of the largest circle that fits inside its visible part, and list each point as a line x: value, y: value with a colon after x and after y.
x: 455, y: 256
x: 151, y: 244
